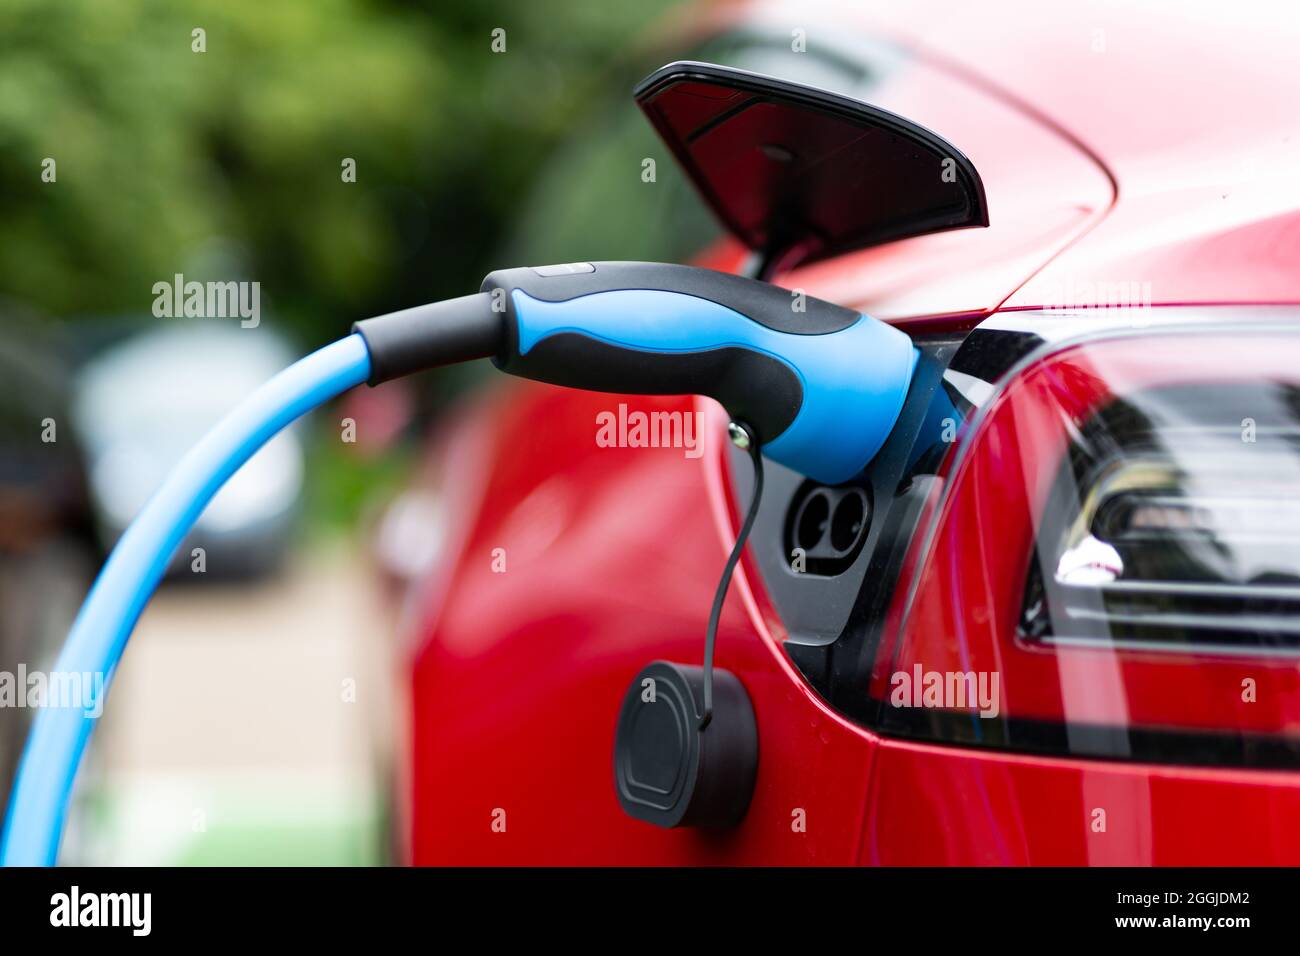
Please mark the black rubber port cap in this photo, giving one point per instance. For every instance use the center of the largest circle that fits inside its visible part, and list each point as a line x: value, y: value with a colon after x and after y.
x: 669, y: 772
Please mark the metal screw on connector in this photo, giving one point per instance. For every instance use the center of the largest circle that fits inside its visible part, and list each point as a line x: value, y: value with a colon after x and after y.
x: 740, y: 436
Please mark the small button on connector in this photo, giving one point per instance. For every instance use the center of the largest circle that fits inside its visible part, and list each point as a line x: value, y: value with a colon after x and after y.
x: 564, y: 269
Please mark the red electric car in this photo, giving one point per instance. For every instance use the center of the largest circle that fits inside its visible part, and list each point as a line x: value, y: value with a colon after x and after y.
x: 1057, y: 619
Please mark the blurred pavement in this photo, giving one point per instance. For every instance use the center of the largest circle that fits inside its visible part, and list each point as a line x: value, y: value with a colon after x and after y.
x: 249, y: 724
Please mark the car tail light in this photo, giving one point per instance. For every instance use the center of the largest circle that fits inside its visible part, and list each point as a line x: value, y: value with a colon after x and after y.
x: 1117, y: 557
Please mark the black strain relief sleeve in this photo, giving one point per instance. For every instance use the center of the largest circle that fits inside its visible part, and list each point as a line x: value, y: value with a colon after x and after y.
x: 440, y: 333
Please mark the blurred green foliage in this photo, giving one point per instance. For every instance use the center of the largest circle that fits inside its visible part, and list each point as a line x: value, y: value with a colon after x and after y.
x: 227, y: 163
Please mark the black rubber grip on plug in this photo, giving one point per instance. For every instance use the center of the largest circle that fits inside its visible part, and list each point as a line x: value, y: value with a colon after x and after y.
x: 427, y: 336
x: 754, y: 387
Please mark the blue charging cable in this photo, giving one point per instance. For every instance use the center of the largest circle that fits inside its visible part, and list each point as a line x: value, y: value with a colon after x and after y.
x: 817, y: 386
x: 99, y: 634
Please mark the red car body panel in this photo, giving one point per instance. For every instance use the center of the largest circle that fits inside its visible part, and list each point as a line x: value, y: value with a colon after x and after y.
x: 1200, y: 135
x: 937, y: 806
x: 612, y: 555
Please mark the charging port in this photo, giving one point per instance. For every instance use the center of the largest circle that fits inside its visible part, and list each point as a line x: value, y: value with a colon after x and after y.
x: 826, y: 526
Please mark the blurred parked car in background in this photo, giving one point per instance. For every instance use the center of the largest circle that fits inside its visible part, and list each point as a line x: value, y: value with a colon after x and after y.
x: 140, y: 405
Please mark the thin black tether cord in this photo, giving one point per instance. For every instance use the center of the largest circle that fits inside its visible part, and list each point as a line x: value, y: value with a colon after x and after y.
x: 711, y: 635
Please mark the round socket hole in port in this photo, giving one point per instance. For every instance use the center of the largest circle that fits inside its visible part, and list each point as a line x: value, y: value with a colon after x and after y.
x: 810, y: 526
x: 849, y: 520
